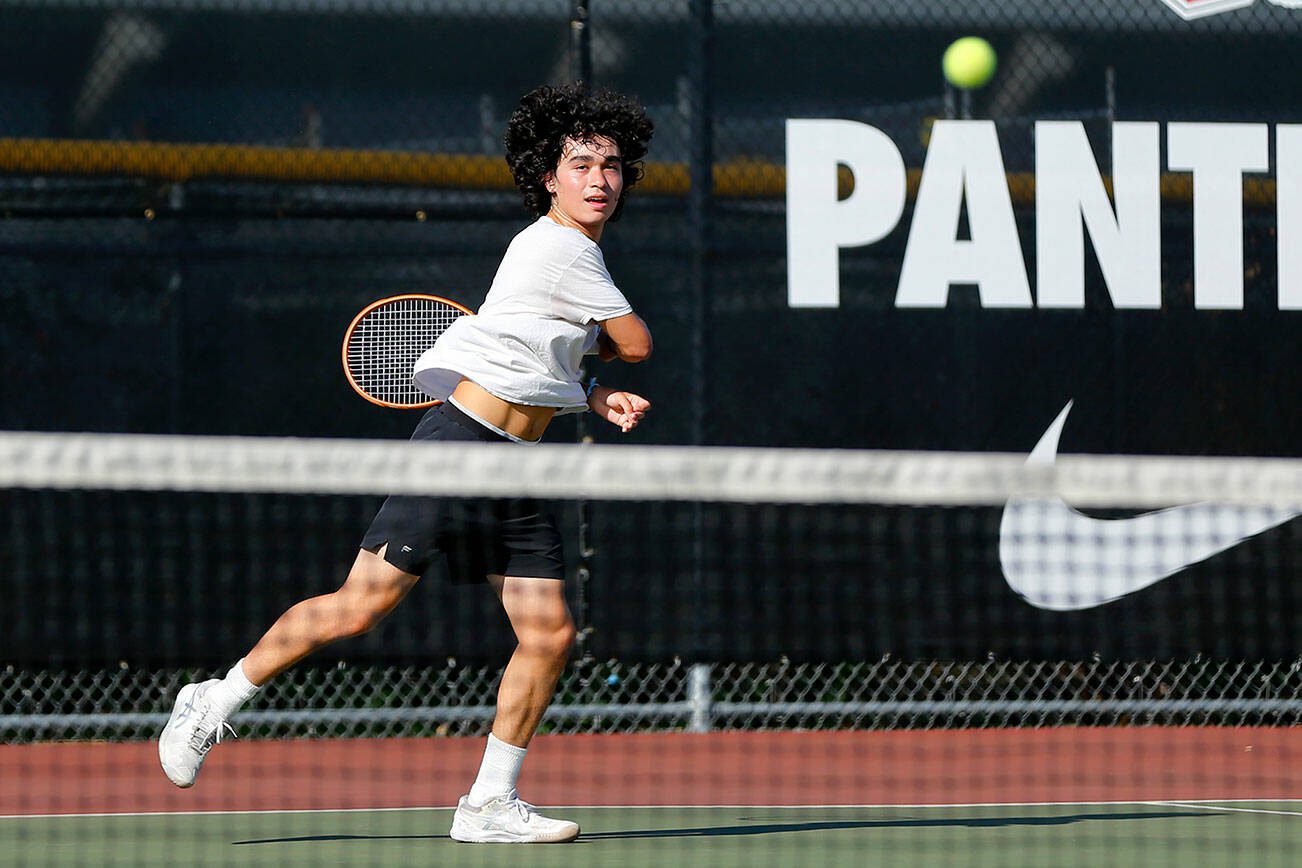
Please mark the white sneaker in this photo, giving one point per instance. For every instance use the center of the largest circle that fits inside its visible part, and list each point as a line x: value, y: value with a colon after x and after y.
x: 508, y: 820
x: 194, y: 727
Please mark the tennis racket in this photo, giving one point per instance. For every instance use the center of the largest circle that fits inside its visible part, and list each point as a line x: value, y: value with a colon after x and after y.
x: 384, y: 341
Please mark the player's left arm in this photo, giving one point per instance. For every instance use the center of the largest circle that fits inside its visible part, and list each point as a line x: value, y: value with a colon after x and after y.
x: 624, y: 337
x: 622, y: 409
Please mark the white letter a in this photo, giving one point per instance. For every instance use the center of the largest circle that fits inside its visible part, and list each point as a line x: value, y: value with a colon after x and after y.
x: 963, y: 160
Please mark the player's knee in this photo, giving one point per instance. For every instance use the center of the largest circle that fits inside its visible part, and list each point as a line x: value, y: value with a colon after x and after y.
x: 565, y: 639
x: 554, y: 641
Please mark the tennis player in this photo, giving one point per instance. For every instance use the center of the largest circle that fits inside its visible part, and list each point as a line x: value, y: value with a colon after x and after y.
x: 503, y: 376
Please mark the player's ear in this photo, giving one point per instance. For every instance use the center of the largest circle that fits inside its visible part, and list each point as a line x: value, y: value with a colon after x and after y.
x: 549, y: 182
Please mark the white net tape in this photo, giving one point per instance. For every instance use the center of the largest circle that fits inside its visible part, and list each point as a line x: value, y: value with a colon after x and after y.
x: 604, y: 472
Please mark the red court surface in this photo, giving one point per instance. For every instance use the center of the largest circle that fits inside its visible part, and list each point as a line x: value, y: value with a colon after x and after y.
x: 742, y: 768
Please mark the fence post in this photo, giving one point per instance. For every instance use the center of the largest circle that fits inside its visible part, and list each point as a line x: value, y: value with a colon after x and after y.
x: 700, y: 698
x: 581, y: 70
x: 580, y: 43
x: 701, y: 150
x: 701, y: 162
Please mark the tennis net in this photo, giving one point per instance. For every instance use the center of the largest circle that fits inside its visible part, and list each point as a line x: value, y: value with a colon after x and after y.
x: 1038, y: 612
x: 725, y: 584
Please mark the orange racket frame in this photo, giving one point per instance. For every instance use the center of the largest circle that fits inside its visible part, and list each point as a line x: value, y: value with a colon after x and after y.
x: 357, y: 321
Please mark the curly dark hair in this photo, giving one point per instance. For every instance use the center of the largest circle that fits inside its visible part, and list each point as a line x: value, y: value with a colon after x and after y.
x: 547, y: 116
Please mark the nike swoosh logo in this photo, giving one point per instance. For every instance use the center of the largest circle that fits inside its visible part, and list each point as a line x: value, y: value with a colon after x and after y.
x: 1058, y: 559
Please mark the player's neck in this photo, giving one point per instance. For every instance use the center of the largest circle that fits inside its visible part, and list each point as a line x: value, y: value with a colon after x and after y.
x: 560, y: 217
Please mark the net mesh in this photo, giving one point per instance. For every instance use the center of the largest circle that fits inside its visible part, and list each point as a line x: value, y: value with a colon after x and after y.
x: 839, y: 627
x: 700, y: 536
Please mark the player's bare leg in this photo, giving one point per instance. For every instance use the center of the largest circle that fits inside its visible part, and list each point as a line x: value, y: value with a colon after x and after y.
x: 544, y: 630
x: 372, y: 590
x: 200, y: 714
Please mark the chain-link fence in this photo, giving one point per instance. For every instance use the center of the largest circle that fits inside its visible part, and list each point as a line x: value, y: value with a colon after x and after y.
x: 347, y: 701
x: 184, y: 169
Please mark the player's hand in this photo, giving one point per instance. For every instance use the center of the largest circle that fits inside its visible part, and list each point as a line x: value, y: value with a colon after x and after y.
x: 623, y: 409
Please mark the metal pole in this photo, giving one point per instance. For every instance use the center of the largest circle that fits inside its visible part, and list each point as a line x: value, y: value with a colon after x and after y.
x: 701, y: 160
x: 700, y: 698
x: 580, y: 43
x: 701, y: 157
x: 581, y: 70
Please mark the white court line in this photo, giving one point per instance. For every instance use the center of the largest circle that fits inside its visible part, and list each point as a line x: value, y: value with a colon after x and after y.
x: 1190, y: 803
x: 1204, y: 806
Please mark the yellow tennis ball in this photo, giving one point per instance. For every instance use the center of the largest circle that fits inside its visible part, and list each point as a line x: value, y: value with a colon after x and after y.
x: 969, y: 62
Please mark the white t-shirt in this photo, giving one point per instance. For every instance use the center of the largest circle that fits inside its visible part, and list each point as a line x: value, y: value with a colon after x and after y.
x: 533, y: 329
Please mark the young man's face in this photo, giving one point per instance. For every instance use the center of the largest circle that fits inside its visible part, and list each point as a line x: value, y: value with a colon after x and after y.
x: 587, y: 184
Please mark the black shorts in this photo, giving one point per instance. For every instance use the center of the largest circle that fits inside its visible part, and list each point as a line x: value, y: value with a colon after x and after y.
x: 505, y: 537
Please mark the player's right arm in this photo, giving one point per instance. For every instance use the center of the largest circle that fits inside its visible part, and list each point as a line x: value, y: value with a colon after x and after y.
x: 624, y: 337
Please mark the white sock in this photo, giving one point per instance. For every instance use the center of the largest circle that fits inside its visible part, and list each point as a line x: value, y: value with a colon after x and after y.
x: 228, y: 695
x: 498, y: 772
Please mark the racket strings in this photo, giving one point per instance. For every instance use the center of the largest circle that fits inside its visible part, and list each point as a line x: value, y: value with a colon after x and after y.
x: 386, y: 342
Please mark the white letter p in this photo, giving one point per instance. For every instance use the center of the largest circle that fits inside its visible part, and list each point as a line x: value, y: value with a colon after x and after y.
x: 818, y: 223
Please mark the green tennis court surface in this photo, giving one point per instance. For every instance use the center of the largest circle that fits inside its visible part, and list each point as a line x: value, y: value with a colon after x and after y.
x: 1007, y: 835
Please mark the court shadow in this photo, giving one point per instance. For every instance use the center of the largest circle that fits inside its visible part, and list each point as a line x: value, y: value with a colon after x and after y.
x: 786, y: 828
x: 314, y: 839
x: 832, y: 825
